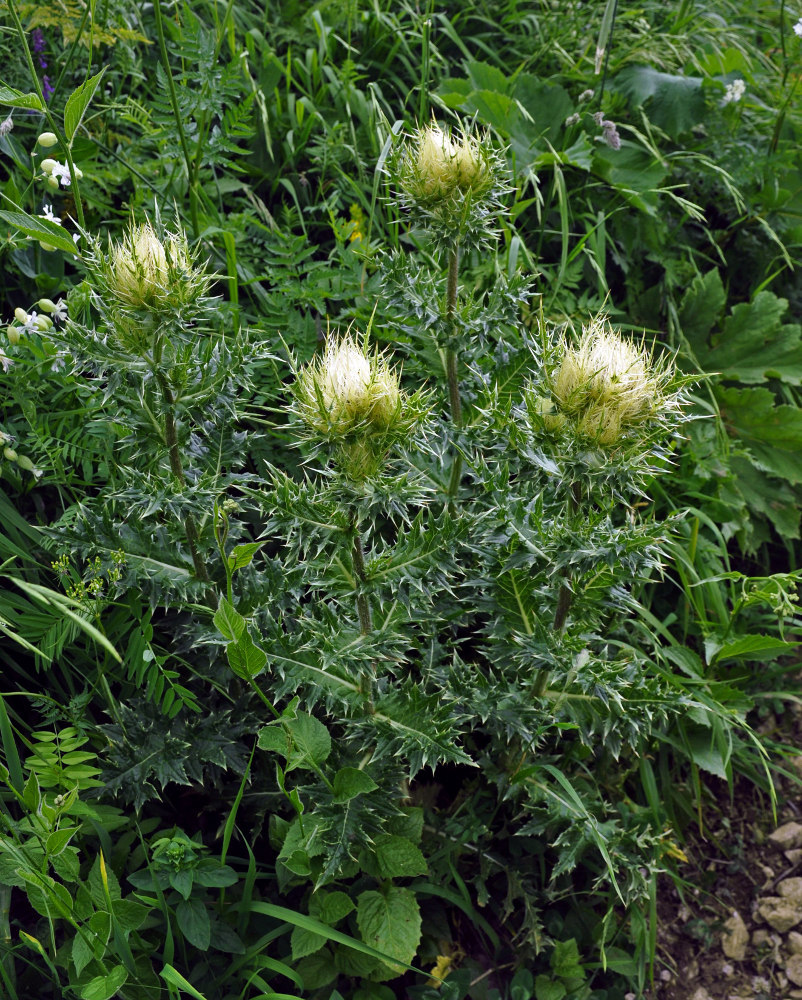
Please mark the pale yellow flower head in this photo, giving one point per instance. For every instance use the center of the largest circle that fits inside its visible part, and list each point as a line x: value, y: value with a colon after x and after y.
x: 445, y: 164
x: 607, y: 384
x: 345, y: 387
x: 141, y: 267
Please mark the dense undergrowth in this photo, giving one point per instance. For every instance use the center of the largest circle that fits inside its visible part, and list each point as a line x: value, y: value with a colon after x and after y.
x: 400, y: 485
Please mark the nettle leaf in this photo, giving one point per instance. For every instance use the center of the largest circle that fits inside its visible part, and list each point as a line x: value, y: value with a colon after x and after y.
x: 390, y: 921
x: 330, y: 907
x: 675, y: 103
x: 393, y: 857
x: 305, y: 942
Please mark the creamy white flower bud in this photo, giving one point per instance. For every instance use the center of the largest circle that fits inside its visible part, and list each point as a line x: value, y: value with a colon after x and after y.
x: 47, y: 139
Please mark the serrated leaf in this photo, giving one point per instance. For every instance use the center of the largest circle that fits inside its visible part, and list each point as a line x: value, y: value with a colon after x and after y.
x: 78, y: 102
x: 350, y: 782
x: 104, y: 987
x: 547, y: 989
x: 273, y: 738
x: 753, y: 647
x: 42, y: 230
x: 241, y: 555
x: 16, y: 99
x: 396, y: 857
x: 390, y: 921
x: 754, y: 345
x: 305, y: 942
x: 330, y: 907
x: 193, y: 922
x: 81, y: 953
x: 228, y: 621
x: 129, y: 914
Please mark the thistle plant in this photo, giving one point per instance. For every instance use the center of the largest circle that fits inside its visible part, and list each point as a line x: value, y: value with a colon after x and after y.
x: 451, y: 184
x: 351, y: 400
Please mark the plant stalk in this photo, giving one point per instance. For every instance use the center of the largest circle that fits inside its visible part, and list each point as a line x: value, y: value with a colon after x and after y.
x: 362, y: 603
x: 177, y: 468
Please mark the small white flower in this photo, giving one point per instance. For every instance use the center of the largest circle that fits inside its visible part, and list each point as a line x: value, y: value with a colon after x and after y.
x: 48, y: 213
x: 585, y: 96
x: 60, y: 313
x: 735, y: 91
x: 572, y: 120
x: 30, y: 325
x: 8, y: 124
x: 798, y: 28
x: 5, y: 364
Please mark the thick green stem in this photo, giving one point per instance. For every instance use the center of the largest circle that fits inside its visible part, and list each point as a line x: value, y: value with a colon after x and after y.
x: 565, y: 597
x: 451, y: 353
x: 362, y: 604
x: 177, y: 468
x: 452, y: 362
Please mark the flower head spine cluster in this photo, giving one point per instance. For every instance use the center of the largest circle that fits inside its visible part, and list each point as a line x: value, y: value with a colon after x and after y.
x: 606, y: 386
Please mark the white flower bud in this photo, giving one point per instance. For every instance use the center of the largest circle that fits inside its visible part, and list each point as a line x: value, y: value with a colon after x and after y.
x: 13, y: 335
x: 47, y: 305
x: 48, y: 165
x: 10, y: 454
x: 47, y: 139
x: 21, y: 315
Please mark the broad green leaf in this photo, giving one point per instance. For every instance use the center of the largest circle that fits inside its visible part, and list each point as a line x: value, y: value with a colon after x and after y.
x: 676, y: 103
x: 273, y: 738
x: 129, y: 914
x: 59, y: 839
x: 483, y: 76
x: 81, y: 953
x: 228, y: 621
x: 549, y: 105
x: 193, y: 922
x: 241, y: 555
x: 330, y: 907
x: 317, y: 970
x: 753, y: 647
x: 305, y: 942
x: 771, y: 433
x: 16, y: 99
x: 547, y: 988
x: 350, y: 782
x: 705, y: 754
x: 311, y: 742
x: 78, y: 102
x: 104, y: 987
x: 245, y: 658
x: 701, y: 308
x: 389, y: 921
x: 394, y: 857
x: 42, y: 230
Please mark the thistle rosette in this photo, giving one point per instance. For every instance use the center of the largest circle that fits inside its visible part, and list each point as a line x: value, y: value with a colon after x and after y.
x: 352, y: 399
x: 451, y: 182
x: 607, y: 390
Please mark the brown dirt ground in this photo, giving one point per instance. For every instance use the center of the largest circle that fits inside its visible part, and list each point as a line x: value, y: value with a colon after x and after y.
x: 732, y: 864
